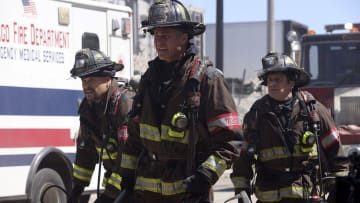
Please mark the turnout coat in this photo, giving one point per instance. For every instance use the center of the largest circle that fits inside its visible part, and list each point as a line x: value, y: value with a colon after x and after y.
x: 157, y: 156
x: 284, y: 168
x: 103, y: 131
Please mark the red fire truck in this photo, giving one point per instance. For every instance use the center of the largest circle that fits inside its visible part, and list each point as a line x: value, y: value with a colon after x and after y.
x: 333, y: 60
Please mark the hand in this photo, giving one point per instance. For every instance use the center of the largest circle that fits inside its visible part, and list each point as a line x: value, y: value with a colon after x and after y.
x: 76, y: 194
x: 197, y: 185
x: 127, y: 183
x: 104, y: 199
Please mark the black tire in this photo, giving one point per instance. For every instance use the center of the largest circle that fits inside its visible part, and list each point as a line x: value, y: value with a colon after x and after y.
x: 41, y: 182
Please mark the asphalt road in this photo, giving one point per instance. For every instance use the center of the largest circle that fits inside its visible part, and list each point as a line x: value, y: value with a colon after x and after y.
x: 223, y: 189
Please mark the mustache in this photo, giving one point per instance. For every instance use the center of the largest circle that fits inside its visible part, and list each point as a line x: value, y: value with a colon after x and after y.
x: 88, y: 90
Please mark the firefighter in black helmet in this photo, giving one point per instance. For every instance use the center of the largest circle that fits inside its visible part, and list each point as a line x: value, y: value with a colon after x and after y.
x: 184, y: 123
x: 291, y: 137
x: 103, y: 123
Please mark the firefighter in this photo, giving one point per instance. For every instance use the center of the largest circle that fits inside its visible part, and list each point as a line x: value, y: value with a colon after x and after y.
x: 184, y: 124
x: 288, y: 132
x: 103, y: 123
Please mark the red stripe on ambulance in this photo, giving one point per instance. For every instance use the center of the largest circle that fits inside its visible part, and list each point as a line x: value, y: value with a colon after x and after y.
x: 35, y: 137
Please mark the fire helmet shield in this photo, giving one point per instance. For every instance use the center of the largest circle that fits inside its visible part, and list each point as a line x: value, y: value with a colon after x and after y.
x: 275, y: 62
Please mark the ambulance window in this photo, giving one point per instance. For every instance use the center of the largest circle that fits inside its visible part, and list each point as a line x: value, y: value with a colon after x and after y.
x: 314, y: 62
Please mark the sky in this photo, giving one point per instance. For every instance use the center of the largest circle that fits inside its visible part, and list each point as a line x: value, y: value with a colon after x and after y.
x: 313, y: 13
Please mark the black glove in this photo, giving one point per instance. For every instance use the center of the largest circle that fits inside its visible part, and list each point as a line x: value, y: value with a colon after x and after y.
x: 104, y: 199
x: 127, y: 183
x: 197, y: 185
x: 76, y: 194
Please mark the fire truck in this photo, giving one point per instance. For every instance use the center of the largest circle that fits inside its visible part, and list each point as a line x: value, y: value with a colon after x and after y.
x: 39, y: 100
x: 333, y: 60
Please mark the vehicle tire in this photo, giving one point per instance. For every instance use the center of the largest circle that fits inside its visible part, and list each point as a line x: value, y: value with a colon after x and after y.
x: 41, y: 182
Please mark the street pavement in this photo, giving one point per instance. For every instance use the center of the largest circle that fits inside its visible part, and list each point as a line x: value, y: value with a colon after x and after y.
x: 223, y: 189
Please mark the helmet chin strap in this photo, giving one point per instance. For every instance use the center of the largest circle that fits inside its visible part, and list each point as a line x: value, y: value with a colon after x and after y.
x: 108, y: 95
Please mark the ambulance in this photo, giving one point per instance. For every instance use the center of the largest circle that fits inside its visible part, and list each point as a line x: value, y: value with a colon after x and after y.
x: 39, y: 100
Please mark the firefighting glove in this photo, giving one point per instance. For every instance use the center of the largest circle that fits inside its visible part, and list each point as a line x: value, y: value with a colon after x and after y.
x: 197, y: 185
x: 76, y: 194
x: 104, y: 199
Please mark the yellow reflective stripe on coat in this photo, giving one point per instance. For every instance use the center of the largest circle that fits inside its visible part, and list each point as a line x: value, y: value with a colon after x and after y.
x: 277, y: 195
x: 152, y: 133
x: 282, y: 153
x: 165, y: 135
x: 104, y: 182
x: 115, y: 180
x: 105, y: 155
x: 215, y: 164
x: 227, y: 121
x: 149, y: 132
x: 342, y: 173
x: 128, y: 161
x: 330, y: 138
x: 158, y: 186
x: 82, y: 173
x: 240, y: 182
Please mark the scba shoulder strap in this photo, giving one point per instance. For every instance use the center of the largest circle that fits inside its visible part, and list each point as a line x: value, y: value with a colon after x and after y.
x: 196, y: 75
x: 116, y: 98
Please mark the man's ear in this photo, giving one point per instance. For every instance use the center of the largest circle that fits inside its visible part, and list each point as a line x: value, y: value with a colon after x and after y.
x: 292, y: 83
x: 184, y: 38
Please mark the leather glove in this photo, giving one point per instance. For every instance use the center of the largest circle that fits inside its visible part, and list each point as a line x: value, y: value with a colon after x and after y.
x: 197, y: 185
x: 76, y: 194
x: 104, y: 199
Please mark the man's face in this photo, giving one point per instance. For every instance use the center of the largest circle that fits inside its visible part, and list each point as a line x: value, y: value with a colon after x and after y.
x: 169, y: 43
x: 95, y: 88
x: 279, y: 87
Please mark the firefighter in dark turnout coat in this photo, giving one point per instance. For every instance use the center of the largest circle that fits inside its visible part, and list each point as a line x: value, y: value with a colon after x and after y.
x: 184, y: 124
x: 282, y: 138
x: 103, y: 122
